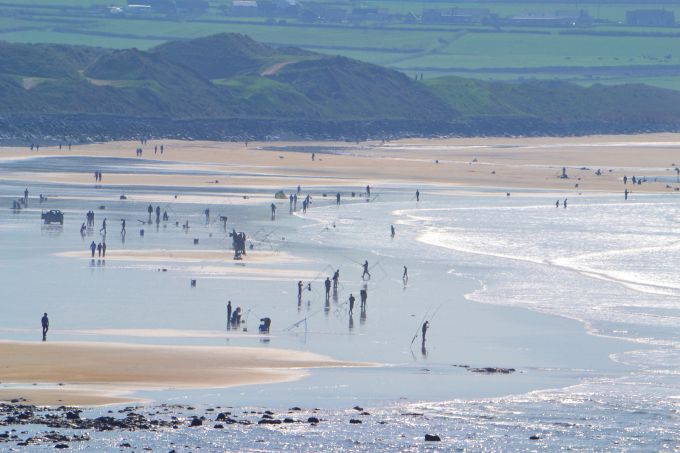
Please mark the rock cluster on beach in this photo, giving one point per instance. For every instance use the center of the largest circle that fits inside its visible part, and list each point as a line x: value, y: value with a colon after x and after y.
x: 60, y: 423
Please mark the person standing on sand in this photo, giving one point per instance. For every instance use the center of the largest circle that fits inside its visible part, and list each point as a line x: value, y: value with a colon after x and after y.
x: 426, y: 325
x: 228, y: 314
x: 104, y: 249
x: 363, y: 295
x: 99, y: 250
x: 273, y: 208
x: 336, y: 278
x: 45, y: 321
x: 417, y: 195
x: 625, y: 194
x: 351, y: 304
x: 392, y: 231
x: 26, y: 196
x: 300, y: 286
x: 337, y: 198
x: 328, y: 288
x: 93, y: 247
x: 368, y: 191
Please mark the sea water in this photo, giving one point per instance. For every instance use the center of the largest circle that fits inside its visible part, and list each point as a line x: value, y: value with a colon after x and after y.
x: 476, y: 264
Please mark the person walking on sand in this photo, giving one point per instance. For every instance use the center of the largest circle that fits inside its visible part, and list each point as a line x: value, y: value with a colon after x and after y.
x: 93, y: 247
x: 426, y: 325
x: 557, y: 204
x: 565, y: 203
x: 337, y: 198
x: 300, y: 286
x: 99, y: 250
x: 417, y: 195
x: 392, y: 231
x: 368, y: 191
x: 363, y: 296
x: 351, y: 304
x: 103, y: 226
x: 26, y: 196
x: 625, y: 194
x: 45, y: 321
x: 405, y: 274
x: 228, y: 314
x: 122, y: 227
x: 104, y: 249
x: 366, y: 272
x: 273, y: 208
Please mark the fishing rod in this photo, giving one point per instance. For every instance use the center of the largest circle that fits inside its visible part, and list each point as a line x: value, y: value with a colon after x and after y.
x: 426, y: 318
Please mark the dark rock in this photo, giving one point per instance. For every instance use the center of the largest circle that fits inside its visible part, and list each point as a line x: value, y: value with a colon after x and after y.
x: 196, y: 422
x: 72, y: 415
x: 354, y: 421
x: 288, y: 420
x: 269, y: 412
x: 432, y: 438
x: 61, y: 446
x: 492, y: 370
x: 218, y: 426
x: 357, y: 408
x: 535, y: 437
x: 125, y: 445
x: 266, y: 421
x: 312, y: 420
x: 267, y: 416
x: 295, y: 408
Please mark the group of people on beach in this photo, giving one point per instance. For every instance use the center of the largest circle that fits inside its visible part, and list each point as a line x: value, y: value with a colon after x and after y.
x: 140, y: 150
x: 99, y: 248
x: 98, y: 176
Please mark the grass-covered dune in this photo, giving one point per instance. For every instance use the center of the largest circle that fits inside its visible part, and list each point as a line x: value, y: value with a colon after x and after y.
x: 230, y: 86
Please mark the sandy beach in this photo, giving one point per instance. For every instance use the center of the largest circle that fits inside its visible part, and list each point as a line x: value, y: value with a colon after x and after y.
x: 502, y: 163
x: 89, y: 373
x: 527, y: 305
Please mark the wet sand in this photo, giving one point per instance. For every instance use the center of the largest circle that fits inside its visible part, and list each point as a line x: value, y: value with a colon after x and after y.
x: 103, y: 373
x: 506, y: 163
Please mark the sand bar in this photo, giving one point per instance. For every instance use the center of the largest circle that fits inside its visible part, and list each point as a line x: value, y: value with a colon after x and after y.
x: 101, y: 373
x: 503, y: 163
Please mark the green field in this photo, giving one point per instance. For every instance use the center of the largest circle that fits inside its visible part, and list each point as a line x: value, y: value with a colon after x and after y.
x: 506, y: 53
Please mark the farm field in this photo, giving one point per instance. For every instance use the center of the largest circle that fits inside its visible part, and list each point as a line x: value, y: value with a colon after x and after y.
x: 608, y: 53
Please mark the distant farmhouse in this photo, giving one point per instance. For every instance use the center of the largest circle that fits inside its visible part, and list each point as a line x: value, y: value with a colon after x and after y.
x: 262, y: 8
x: 650, y: 18
x: 167, y: 6
x: 556, y: 19
x: 455, y: 16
